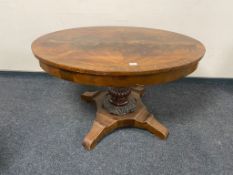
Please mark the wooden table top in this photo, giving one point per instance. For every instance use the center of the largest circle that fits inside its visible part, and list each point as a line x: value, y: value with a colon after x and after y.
x: 116, y: 52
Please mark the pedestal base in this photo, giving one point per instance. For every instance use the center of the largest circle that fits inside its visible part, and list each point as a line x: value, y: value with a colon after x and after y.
x: 105, y: 122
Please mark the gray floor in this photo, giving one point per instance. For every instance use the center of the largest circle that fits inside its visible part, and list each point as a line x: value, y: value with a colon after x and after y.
x: 43, y: 122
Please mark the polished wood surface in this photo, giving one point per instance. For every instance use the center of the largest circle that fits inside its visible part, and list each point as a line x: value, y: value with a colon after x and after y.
x: 125, y: 58
x: 106, y: 123
x: 119, y: 81
x: 146, y: 56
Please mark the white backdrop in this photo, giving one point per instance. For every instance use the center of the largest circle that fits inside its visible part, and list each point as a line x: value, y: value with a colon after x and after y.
x: 210, y: 21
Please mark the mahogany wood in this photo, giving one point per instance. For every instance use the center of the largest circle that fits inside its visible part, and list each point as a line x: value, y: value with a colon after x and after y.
x: 106, y: 123
x: 119, y: 81
x: 118, y: 57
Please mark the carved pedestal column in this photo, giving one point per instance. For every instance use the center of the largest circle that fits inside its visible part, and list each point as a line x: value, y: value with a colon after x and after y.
x: 119, y: 102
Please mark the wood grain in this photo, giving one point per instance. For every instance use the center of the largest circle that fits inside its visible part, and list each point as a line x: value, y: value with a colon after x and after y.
x: 117, y: 50
x: 118, y: 57
x: 105, y: 123
x: 119, y: 81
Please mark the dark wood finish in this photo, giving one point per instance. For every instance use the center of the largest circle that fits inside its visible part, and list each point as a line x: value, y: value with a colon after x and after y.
x: 118, y: 57
x: 119, y: 96
x: 119, y: 81
x: 106, y: 123
x: 118, y: 101
x: 124, y: 55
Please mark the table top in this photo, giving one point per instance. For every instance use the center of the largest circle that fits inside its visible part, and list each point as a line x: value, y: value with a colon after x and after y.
x: 117, y: 52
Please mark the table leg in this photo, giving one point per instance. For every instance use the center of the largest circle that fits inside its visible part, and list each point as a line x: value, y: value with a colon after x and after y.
x: 99, y: 129
x: 125, y: 114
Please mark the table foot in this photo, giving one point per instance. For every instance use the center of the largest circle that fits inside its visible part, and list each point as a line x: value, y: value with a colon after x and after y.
x: 106, y: 122
x: 89, y: 96
x: 155, y: 127
x: 100, y: 127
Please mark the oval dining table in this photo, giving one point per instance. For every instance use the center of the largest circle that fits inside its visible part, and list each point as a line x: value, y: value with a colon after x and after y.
x: 124, y: 59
